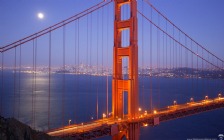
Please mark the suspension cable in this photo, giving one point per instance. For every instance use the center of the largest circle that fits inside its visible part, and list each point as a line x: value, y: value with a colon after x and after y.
x: 14, y: 86
x: 49, y: 82
x: 151, y: 62
x: 97, y: 44
x: 147, y: 1
x: 20, y: 63
x: 63, y: 80
x: 55, y: 26
x: 2, y: 93
x: 183, y: 46
x: 107, y: 22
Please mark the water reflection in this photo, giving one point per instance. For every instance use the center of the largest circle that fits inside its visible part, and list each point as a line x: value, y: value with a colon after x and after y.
x: 75, y: 97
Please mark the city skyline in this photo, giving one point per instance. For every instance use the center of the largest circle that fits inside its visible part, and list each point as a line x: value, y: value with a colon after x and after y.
x: 209, y: 34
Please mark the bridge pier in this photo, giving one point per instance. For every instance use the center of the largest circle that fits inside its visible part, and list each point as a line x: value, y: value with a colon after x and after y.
x: 131, y: 133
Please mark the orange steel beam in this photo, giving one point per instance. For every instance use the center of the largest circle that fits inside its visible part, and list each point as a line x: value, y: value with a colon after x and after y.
x: 119, y: 85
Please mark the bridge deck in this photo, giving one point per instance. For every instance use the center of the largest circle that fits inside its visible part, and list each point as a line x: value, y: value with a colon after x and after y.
x: 102, y: 127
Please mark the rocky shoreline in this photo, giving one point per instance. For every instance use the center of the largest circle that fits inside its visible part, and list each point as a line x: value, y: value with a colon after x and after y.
x: 12, y: 129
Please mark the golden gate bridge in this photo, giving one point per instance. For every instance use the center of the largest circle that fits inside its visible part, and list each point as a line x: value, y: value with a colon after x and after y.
x: 146, y: 48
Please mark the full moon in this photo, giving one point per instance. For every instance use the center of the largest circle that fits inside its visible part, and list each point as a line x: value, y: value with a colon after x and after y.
x: 40, y: 15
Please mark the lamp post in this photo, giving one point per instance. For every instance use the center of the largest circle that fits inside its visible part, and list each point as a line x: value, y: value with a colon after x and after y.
x: 104, y: 116
x: 174, y: 102
x: 69, y: 122
x: 219, y: 95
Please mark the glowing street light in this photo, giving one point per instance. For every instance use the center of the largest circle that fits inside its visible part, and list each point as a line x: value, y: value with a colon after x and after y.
x: 145, y: 124
x: 145, y: 113
x: 104, y: 115
x: 139, y: 109
x: 69, y: 122
x: 110, y: 114
x: 206, y: 97
x: 155, y: 112
x: 220, y: 95
x: 174, y: 102
x: 192, y: 100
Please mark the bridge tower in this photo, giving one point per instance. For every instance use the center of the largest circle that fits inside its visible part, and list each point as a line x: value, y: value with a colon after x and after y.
x: 120, y: 85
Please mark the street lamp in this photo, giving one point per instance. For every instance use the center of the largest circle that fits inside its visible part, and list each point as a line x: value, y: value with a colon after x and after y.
x: 219, y: 95
x: 69, y: 122
x: 174, y: 102
x: 206, y: 97
x: 145, y: 124
x: 139, y: 109
x: 104, y: 115
x: 155, y: 112
x: 192, y: 100
x: 145, y: 113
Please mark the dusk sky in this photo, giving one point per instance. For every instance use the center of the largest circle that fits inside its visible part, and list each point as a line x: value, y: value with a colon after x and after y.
x: 203, y: 20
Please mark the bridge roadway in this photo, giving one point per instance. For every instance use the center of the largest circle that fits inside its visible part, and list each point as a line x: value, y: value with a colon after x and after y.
x: 106, y: 126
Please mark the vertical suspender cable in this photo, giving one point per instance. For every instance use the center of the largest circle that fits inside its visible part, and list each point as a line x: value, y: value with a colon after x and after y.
x: 90, y: 57
x: 209, y: 90
x: 87, y: 55
x: 166, y: 47
x: 75, y: 68
x: 217, y: 78
x: 2, y: 93
x: 180, y: 60
x: 97, y: 45
x: 107, y: 57
x: 170, y: 53
x: 186, y: 57
x: 157, y: 59
x: 173, y: 47
x: 63, y: 84
x: 203, y: 74
x: 186, y: 61
x: 76, y: 72
x: 14, y: 87
x: 192, y: 89
x: 102, y: 44
x: 143, y: 101
x: 197, y: 71
x: 151, y: 62
x: 163, y: 50
x: 173, y: 67
x: 33, y: 79
x: 35, y: 84
x: 78, y: 65
x: 20, y: 63
x: 49, y: 82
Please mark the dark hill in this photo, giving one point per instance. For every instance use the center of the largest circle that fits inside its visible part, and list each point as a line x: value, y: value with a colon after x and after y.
x: 11, y: 129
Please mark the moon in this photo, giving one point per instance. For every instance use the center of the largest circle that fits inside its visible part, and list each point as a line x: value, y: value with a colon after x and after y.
x: 40, y: 15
